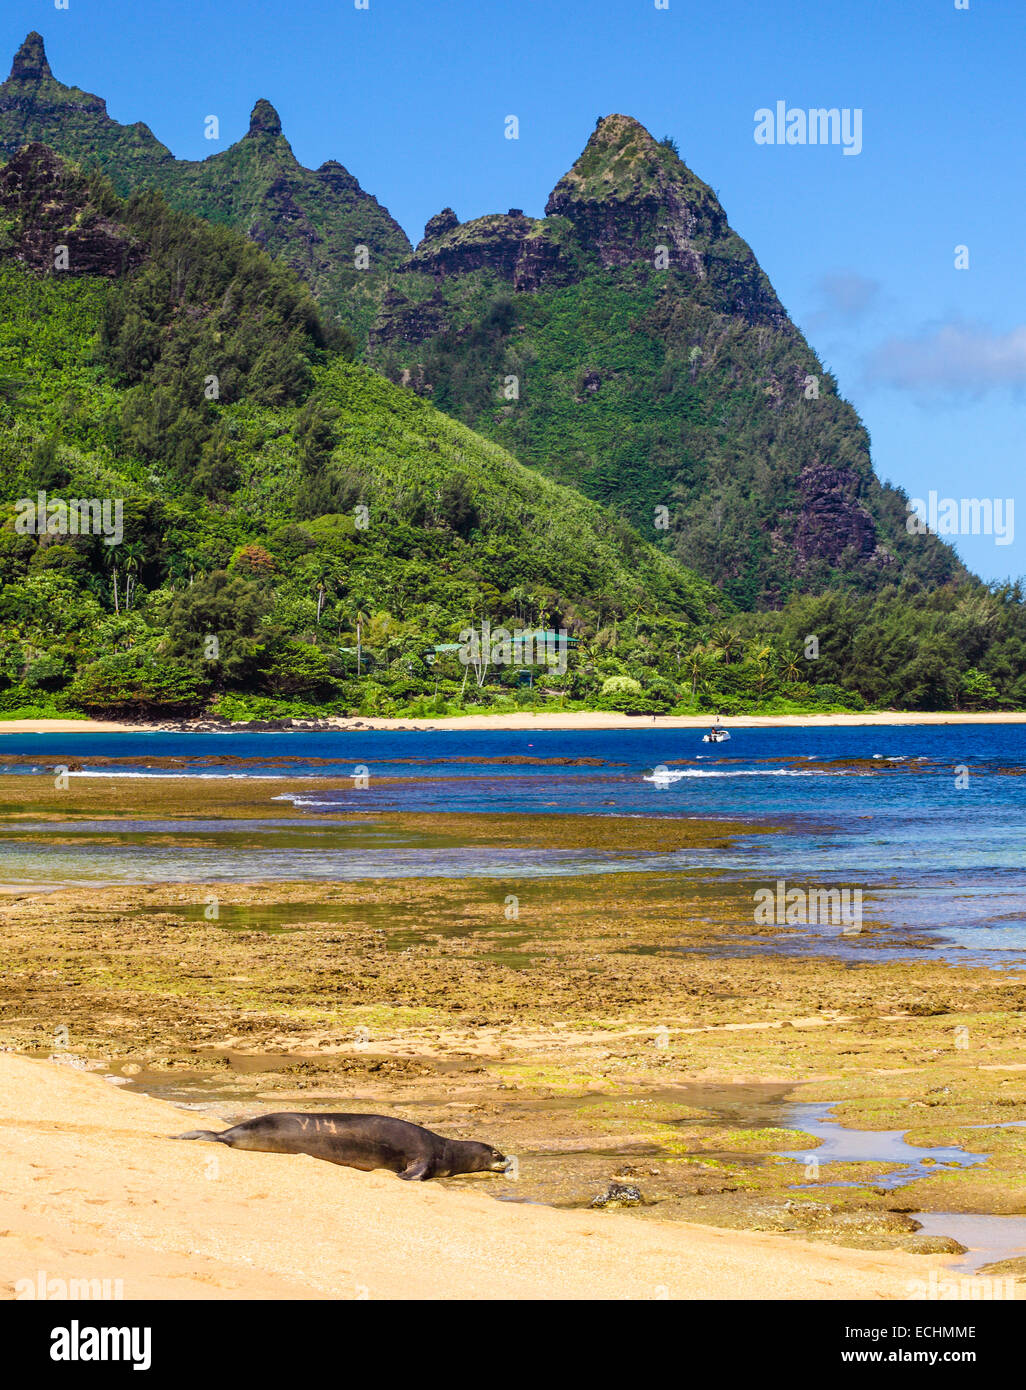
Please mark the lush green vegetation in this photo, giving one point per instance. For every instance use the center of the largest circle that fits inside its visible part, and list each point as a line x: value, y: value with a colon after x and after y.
x: 314, y: 221
x: 960, y: 646
x: 300, y: 533
x: 680, y: 384
x: 323, y: 527
x: 645, y: 398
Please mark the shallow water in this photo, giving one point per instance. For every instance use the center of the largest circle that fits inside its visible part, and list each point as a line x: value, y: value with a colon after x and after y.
x: 841, y: 1144
x: 873, y: 808
x: 987, y: 1238
x: 233, y: 1091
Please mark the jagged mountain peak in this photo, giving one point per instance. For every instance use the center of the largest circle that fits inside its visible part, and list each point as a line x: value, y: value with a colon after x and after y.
x: 618, y: 129
x: 30, y: 62
x: 311, y: 220
x: 442, y: 222
x: 627, y: 194
x: 621, y: 162
x: 36, y: 106
x: 338, y: 177
x: 264, y: 119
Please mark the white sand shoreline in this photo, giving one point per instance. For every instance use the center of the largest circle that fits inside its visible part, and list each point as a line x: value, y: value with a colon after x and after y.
x: 543, y: 721
x: 92, y: 1185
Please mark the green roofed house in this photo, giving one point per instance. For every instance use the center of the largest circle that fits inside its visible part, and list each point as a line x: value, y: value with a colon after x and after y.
x: 548, y: 635
x: 536, y: 642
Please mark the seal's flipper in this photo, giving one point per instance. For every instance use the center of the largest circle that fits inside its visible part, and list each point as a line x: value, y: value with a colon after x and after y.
x: 200, y: 1134
x: 417, y: 1172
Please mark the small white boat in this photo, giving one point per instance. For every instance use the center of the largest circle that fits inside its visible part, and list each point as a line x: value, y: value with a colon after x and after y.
x: 716, y: 736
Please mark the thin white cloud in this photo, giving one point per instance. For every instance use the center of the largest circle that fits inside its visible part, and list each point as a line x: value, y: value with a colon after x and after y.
x: 952, y: 359
x: 845, y: 295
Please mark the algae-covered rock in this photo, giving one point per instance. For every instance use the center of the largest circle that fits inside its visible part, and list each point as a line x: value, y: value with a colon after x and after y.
x: 616, y: 1195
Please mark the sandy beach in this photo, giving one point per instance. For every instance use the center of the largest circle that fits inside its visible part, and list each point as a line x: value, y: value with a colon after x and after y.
x: 620, y: 1027
x: 572, y: 1039
x: 550, y: 720
x: 93, y: 1188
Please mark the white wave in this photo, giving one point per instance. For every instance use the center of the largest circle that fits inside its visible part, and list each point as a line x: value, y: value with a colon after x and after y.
x: 676, y: 774
x: 177, y: 776
x: 303, y: 800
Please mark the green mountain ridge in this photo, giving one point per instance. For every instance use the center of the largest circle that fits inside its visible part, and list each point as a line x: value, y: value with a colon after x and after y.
x: 655, y: 368
x: 312, y: 220
x: 308, y: 507
x: 330, y: 527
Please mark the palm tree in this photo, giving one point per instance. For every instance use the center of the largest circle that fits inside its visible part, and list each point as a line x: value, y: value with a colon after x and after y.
x: 728, y: 641
x: 518, y: 599
x: 398, y: 601
x: 790, y: 668
x: 362, y: 617
x: 323, y: 580
x: 591, y: 651
x: 635, y: 608
x: 326, y: 576
x: 111, y: 558
x: 697, y: 667
x: 133, y: 552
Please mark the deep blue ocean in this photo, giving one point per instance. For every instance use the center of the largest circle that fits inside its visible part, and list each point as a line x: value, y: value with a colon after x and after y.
x: 927, y: 820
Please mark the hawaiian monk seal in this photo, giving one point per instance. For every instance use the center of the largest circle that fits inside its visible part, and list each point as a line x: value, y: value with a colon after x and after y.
x: 361, y: 1141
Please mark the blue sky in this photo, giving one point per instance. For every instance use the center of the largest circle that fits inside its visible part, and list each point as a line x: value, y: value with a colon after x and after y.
x: 411, y: 96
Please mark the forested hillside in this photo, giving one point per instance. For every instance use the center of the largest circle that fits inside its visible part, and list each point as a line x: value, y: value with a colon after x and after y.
x: 654, y: 367
x: 276, y: 495
x: 700, y: 512
x: 652, y: 363
x: 313, y: 220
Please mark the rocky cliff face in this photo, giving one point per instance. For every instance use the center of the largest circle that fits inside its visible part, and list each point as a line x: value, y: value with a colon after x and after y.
x: 30, y: 62
x: 833, y: 520
x: 655, y: 367
x: 625, y: 198
x: 632, y: 200
x: 627, y: 201
x: 52, y: 227
x: 406, y: 322
x: 516, y: 248
x: 437, y: 226
x: 312, y: 219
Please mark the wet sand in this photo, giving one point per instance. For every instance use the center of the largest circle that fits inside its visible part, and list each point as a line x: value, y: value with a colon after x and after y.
x: 602, y: 1036
x: 92, y: 1187
x: 636, y: 1028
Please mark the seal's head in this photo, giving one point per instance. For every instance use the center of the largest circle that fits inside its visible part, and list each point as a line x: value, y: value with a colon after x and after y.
x: 473, y: 1157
